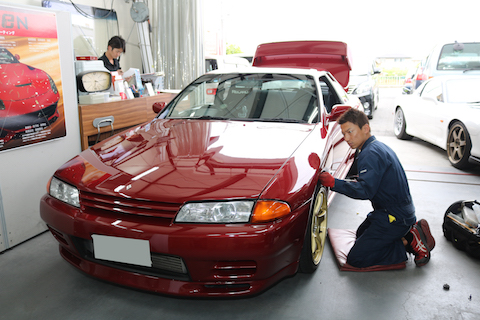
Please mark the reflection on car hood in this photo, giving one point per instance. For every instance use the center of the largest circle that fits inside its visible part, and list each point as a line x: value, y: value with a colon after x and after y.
x: 19, y: 81
x: 179, y: 160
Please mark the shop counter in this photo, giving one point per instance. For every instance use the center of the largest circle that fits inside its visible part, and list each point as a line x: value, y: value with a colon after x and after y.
x: 125, y: 114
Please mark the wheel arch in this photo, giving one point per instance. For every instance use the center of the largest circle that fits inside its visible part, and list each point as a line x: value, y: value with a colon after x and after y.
x: 452, y: 122
x: 449, y: 126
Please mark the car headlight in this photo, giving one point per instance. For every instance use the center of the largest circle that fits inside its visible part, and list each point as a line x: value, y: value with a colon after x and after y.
x: 232, y: 211
x: 363, y: 88
x: 52, y: 84
x: 64, y: 192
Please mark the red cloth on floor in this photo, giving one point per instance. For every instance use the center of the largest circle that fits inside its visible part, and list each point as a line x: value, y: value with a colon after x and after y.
x: 342, y: 241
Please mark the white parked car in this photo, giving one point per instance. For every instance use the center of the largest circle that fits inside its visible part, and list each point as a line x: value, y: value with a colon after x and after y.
x: 444, y: 111
x: 451, y: 58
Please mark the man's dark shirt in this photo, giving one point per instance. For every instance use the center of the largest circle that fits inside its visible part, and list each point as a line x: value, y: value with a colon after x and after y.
x: 382, y: 180
x: 111, y: 67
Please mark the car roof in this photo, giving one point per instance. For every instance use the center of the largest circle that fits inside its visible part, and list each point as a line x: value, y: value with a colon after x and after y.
x: 439, y: 46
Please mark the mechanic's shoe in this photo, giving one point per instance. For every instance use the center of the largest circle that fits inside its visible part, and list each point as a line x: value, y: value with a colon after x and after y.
x: 423, y: 224
x: 419, y: 247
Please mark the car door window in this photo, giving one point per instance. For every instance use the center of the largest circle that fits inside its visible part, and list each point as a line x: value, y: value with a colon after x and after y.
x: 433, y: 90
x: 330, y: 97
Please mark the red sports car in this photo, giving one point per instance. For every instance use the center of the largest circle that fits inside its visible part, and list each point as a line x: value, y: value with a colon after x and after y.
x: 218, y: 196
x: 28, y: 98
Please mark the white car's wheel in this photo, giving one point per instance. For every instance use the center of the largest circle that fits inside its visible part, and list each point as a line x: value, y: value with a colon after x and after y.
x: 459, y: 146
x: 399, y: 125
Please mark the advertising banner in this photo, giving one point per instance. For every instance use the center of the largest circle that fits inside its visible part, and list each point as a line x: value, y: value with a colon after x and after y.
x: 31, y: 100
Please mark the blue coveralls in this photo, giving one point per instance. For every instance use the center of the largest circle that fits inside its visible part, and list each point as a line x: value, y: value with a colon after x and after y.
x: 382, y: 180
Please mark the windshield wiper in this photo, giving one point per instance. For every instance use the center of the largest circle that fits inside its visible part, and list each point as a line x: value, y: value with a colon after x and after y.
x: 471, y: 69
x: 280, y: 120
x: 209, y: 118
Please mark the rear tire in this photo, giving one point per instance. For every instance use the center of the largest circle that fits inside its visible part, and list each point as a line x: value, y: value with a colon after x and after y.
x: 316, y: 234
x: 400, y: 125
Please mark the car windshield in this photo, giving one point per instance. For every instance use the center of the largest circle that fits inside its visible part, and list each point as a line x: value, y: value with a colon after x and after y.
x: 6, y: 57
x: 463, y: 90
x: 459, y: 56
x: 248, y: 96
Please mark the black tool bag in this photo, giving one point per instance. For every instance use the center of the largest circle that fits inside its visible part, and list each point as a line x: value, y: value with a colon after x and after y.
x: 461, y: 226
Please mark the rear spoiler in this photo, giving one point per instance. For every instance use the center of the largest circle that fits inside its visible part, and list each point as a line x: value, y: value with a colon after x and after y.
x: 331, y: 56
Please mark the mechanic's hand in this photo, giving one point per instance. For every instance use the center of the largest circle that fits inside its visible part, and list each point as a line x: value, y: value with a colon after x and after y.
x: 327, y: 179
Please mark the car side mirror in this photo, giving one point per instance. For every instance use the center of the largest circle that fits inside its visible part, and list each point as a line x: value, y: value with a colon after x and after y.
x: 158, y: 106
x: 17, y: 56
x: 337, y: 111
x: 407, y: 90
x: 432, y: 99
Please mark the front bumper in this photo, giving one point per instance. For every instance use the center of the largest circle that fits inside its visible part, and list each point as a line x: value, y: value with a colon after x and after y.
x: 366, y: 98
x: 219, y: 260
x: 14, y: 126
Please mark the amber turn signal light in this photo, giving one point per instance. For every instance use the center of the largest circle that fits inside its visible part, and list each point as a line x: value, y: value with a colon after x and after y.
x: 269, y: 210
x: 48, y: 184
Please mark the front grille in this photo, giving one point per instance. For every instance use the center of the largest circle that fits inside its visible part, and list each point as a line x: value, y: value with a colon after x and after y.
x: 168, y: 263
x: 164, y: 266
x: 129, y: 206
x: 18, y: 123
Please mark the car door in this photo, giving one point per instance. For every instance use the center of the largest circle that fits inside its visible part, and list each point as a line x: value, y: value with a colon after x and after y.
x: 336, y: 151
x: 429, y: 115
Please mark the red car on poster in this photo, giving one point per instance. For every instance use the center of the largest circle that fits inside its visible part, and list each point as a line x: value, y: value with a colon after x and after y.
x: 218, y: 196
x: 28, y: 98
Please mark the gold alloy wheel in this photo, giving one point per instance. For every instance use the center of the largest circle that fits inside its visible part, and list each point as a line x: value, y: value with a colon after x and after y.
x: 318, y: 231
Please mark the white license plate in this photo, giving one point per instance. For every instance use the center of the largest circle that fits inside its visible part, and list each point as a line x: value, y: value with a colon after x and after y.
x: 126, y: 250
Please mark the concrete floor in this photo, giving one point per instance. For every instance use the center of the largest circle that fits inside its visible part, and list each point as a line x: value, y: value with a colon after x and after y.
x: 36, y: 283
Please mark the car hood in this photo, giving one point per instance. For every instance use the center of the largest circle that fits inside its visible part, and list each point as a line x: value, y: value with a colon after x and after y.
x: 333, y: 56
x: 19, y: 81
x: 358, y: 78
x: 188, y: 160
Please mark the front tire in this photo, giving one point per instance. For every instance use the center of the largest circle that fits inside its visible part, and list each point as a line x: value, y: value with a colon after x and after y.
x: 368, y: 110
x: 459, y: 146
x: 400, y: 125
x: 316, y: 234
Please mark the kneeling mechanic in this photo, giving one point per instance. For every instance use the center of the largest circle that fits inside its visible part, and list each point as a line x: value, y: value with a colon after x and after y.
x: 391, y: 229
